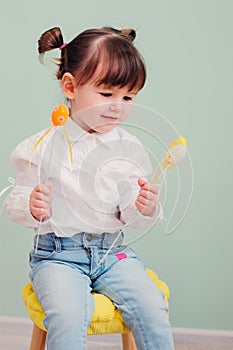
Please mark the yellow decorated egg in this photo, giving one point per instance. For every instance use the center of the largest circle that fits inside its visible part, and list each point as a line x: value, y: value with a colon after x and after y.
x: 60, y: 114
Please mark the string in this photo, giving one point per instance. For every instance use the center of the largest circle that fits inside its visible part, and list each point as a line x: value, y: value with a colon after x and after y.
x: 115, y: 240
x: 132, y: 218
x: 38, y: 235
x: 11, y: 180
x: 37, y: 143
x: 70, y: 147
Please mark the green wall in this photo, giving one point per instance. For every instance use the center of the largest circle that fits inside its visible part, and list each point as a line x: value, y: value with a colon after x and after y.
x: 187, y: 46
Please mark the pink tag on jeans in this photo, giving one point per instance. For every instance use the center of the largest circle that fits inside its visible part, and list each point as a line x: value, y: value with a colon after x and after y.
x: 121, y: 256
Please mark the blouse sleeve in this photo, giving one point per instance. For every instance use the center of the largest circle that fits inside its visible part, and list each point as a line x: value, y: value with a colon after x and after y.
x: 18, y: 200
x: 27, y: 177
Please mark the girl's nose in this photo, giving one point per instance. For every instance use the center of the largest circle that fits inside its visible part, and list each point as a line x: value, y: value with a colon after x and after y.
x: 115, y: 107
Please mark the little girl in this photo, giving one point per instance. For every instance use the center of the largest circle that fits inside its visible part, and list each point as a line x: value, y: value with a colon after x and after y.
x: 79, y: 210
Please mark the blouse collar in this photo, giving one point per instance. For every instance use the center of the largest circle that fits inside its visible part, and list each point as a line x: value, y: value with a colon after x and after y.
x: 75, y: 133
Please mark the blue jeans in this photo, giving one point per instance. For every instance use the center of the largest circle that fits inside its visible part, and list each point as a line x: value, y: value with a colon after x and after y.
x: 64, y: 272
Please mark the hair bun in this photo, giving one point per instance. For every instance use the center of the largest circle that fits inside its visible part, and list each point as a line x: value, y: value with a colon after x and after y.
x: 130, y: 33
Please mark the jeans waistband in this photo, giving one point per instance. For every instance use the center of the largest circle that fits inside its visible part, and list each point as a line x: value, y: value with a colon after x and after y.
x: 51, y: 242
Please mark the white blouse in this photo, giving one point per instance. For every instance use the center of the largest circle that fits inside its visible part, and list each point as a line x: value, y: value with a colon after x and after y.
x: 95, y: 192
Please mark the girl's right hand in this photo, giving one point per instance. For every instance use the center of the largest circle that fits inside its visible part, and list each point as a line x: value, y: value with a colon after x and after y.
x: 40, y: 201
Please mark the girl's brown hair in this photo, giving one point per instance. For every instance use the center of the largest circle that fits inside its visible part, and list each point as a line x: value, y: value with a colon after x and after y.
x: 110, y: 50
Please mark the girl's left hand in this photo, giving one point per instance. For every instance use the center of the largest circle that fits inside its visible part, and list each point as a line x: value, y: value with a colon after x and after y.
x: 147, y: 198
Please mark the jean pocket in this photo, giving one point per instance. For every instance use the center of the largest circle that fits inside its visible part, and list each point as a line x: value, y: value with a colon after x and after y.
x: 39, y: 255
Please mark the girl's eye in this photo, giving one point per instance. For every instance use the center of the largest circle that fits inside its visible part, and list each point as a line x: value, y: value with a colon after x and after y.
x: 106, y: 94
x: 128, y: 98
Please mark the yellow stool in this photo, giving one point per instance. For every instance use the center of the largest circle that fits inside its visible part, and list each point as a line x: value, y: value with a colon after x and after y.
x: 106, y: 318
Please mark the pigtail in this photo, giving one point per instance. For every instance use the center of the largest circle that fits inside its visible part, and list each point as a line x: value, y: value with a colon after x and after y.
x: 50, y: 40
x: 129, y: 33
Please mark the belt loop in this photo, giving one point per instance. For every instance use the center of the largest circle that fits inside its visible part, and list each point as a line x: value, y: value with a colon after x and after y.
x: 105, y: 239
x: 57, y: 242
x: 84, y: 240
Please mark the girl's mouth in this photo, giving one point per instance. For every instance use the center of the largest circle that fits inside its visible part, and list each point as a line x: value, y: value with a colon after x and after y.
x: 109, y: 118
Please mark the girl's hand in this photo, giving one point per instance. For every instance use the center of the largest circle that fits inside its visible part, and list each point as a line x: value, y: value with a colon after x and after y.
x: 147, y: 198
x: 40, y: 201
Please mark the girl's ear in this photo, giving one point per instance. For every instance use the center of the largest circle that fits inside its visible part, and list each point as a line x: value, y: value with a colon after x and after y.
x: 68, y: 85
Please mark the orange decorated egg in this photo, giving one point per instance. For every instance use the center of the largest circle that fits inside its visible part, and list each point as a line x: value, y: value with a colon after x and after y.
x: 60, y: 115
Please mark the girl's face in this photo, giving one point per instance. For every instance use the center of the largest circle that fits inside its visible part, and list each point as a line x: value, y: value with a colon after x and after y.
x: 99, y: 108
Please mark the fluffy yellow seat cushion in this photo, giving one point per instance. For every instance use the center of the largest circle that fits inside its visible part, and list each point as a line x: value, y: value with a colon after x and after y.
x: 106, y: 318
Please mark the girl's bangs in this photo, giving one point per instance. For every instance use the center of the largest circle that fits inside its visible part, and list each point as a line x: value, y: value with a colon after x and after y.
x: 121, y: 69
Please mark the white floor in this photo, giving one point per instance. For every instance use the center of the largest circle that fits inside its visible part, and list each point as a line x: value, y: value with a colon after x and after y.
x: 15, y: 334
